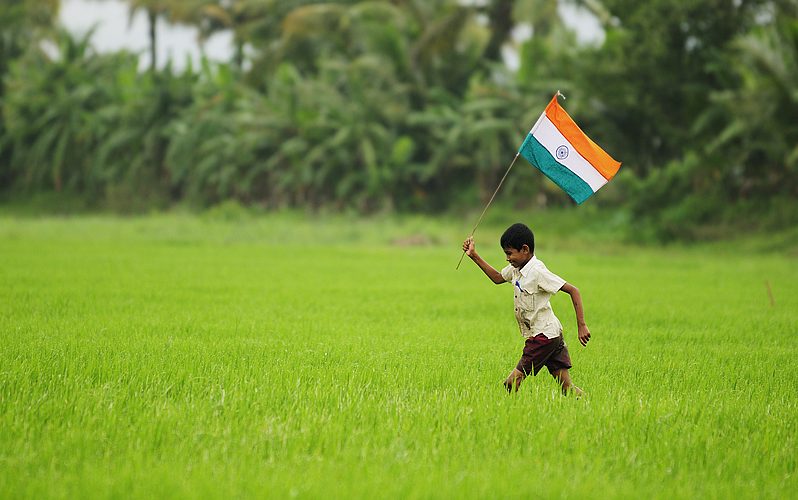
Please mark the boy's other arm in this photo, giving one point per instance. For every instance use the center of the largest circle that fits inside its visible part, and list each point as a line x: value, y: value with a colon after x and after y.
x: 576, y: 298
x: 494, y: 275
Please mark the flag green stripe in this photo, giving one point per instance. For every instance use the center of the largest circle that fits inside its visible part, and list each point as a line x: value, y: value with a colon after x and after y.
x: 539, y: 157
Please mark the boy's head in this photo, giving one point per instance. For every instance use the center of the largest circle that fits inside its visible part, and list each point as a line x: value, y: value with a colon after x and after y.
x: 518, y: 243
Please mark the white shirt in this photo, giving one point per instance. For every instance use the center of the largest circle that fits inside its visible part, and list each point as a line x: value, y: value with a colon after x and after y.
x: 533, y: 286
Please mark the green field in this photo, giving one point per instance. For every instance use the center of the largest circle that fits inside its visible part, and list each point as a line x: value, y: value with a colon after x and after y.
x: 278, y: 356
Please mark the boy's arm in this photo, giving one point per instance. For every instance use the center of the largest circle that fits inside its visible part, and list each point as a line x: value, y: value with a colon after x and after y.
x: 494, y: 275
x: 576, y: 298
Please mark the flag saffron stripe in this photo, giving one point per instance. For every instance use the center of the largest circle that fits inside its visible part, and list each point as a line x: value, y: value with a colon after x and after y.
x: 589, y: 150
x: 534, y: 152
x: 558, y: 146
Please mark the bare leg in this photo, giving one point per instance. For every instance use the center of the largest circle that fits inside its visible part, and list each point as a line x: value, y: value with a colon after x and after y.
x: 514, y: 380
x: 564, y: 378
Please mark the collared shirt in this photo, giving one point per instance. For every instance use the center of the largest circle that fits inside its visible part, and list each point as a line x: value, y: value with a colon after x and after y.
x: 533, y: 286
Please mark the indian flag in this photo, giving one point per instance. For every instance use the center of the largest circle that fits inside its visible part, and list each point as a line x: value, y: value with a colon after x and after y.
x: 557, y: 147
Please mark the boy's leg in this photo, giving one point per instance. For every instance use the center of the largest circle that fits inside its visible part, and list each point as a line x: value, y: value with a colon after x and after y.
x: 533, y: 355
x: 564, y: 378
x: 514, y: 380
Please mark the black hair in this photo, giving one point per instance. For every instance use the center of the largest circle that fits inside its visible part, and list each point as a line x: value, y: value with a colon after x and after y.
x: 517, y: 236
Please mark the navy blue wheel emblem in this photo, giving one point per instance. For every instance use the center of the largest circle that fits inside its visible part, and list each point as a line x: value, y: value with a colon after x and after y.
x: 561, y: 152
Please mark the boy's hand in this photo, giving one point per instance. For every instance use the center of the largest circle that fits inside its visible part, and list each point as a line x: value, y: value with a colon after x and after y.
x: 468, y: 246
x: 584, y: 335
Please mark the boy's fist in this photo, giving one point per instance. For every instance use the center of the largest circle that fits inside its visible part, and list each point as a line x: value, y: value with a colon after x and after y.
x: 584, y: 334
x: 468, y: 246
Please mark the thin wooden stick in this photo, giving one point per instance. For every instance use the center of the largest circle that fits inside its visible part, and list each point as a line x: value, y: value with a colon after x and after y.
x: 486, y: 206
x: 770, y: 294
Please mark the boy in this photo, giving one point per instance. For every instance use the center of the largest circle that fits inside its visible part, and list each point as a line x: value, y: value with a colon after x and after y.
x: 533, y: 286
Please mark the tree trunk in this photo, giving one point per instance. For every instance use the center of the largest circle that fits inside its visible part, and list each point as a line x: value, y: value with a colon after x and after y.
x: 238, y: 57
x: 500, y: 18
x: 153, y: 18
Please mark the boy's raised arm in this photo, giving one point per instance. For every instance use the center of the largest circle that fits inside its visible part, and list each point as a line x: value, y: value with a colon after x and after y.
x: 494, y: 275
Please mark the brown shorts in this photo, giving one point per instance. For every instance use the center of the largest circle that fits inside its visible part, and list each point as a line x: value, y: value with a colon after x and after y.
x: 540, y: 351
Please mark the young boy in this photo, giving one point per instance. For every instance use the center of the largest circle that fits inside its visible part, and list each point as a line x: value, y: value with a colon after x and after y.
x: 533, y: 285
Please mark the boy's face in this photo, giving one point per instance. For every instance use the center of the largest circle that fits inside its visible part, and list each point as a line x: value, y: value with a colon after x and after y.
x: 518, y: 258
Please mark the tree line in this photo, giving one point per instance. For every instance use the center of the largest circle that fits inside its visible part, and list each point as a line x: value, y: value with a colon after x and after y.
x: 410, y: 105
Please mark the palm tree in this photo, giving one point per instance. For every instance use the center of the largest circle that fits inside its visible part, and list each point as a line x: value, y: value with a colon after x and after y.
x: 240, y: 17
x: 154, y: 9
x: 23, y: 23
x: 171, y: 10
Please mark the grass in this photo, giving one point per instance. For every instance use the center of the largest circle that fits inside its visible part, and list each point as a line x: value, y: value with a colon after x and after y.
x: 276, y: 356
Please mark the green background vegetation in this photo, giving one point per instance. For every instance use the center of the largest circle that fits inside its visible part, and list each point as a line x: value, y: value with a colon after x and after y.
x: 409, y: 106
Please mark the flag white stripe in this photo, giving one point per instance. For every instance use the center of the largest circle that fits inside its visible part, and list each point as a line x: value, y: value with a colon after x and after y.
x: 537, y: 123
x: 551, y: 139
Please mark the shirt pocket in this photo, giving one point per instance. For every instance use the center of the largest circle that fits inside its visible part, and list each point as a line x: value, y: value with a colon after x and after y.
x: 524, y: 301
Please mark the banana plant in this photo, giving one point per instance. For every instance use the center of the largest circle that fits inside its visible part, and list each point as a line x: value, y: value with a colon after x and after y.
x: 49, y: 111
x: 130, y: 157
x: 23, y: 23
x: 754, y: 124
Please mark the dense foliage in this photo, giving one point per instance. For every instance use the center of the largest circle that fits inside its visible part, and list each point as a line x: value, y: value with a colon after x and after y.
x: 409, y: 105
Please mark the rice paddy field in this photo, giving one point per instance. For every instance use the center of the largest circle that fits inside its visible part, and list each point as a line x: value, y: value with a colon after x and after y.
x: 284, y: 356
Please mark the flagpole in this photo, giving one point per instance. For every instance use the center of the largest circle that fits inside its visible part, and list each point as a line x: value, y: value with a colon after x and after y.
x: 486, y: 206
